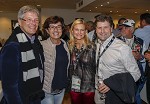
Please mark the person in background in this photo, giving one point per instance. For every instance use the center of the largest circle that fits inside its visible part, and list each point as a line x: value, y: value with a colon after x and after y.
x: 66, y: 34
x: 22, y: 61
x: 82, y: 65
x: 115, y: 65
x: 147, y: 73
x: 92, y: 34
x: 117, y: 31
x: 57, y: 60
x: 144, y: 31
x: 40, y: 35
x: 90, y: 26
x: 138, y: 48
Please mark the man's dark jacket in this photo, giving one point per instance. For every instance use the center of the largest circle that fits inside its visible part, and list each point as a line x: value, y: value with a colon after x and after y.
x: 122, y: 89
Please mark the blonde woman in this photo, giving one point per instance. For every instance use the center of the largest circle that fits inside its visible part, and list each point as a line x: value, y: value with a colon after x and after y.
x: 82, y: 67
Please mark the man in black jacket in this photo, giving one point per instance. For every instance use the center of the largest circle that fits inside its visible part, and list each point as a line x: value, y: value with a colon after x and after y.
x: 22, y: 61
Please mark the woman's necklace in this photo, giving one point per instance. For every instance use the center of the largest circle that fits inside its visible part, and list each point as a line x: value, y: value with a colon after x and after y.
x: 76, y: 52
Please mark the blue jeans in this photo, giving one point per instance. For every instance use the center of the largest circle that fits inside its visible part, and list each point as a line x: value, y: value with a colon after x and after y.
x: 53, y: 98
x: 138, y: 97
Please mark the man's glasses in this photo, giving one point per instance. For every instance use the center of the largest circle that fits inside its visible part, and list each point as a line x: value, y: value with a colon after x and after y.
x: 30, y: 20
x: 59, y: 27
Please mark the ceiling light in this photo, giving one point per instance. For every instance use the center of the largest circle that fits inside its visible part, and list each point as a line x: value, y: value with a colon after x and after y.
x: 101, y: 5
x: 110, y: 11
x: 38, y: 5
x: 135, y: 12
x: 96, y: 7
x: 108, y: 2
x: 147, y: 10
x: 117, y: 11
x: 90, y: 10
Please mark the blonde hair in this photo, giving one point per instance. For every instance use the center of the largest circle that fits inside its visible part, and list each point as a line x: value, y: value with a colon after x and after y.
x: 72, y: 39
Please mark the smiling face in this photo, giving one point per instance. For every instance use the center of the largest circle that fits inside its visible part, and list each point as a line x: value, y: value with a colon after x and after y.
x: 79, y: 31
x: 103, y: 30
x: 127, y: 32
x: 55, y: 31
x: 29, y: 23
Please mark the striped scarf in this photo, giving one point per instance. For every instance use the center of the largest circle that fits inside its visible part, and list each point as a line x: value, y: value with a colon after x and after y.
x: 32, y: 66
x: 27, y: 56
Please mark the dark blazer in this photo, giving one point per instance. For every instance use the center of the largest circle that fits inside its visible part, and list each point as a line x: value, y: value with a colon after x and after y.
x: 15, y: 90
x: 122, y: 89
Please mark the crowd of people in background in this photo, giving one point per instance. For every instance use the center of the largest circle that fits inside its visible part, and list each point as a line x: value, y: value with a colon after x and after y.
x: 91, y: 61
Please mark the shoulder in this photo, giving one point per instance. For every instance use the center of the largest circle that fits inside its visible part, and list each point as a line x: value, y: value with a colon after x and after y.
x: 11, y: 51
x: 43, y: 41
x: 91, y: 32
x: 46, y: 42
x: 138, y: 31
x: 118, y: 41
x: 11, y: 46
x: 119, y: 44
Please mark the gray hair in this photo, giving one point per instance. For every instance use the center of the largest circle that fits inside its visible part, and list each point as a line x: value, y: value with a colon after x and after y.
x: 25, y: 9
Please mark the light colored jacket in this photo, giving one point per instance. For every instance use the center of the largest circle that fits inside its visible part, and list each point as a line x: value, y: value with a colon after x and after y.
x: 49, y: 64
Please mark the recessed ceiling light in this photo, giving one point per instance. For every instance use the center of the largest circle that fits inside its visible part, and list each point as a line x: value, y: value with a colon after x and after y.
x: 38, y: 5
x: 110, y: 11
x: 147, y: 10
x: 135, y: 12
x: 101, y: 5
x: 108, y: 2
x: 90, y: 10
x: 117, y: 11
x: 96, y: 7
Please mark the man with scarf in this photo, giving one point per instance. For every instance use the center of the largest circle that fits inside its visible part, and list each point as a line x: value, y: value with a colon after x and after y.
x: 22, y: 61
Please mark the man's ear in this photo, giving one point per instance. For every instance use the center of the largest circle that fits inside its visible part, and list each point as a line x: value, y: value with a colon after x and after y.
x: 19, y: 21
x: 144, y: 22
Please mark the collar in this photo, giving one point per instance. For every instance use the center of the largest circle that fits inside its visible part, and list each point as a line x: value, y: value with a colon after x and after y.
x: 147, y: 26
x: 51, y: 43
x: 31, y: 38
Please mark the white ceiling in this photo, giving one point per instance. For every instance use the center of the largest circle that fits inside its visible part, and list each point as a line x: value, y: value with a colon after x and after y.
x: 14, y: 5
x: 118, y: 7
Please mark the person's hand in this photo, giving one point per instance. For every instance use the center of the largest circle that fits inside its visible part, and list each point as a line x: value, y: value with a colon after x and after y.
x: 103, y: 88
x: 136, y: 55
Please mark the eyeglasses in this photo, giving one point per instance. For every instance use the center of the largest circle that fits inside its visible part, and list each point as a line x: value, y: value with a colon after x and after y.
x: 59, y: 27
x: 30, y: 20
